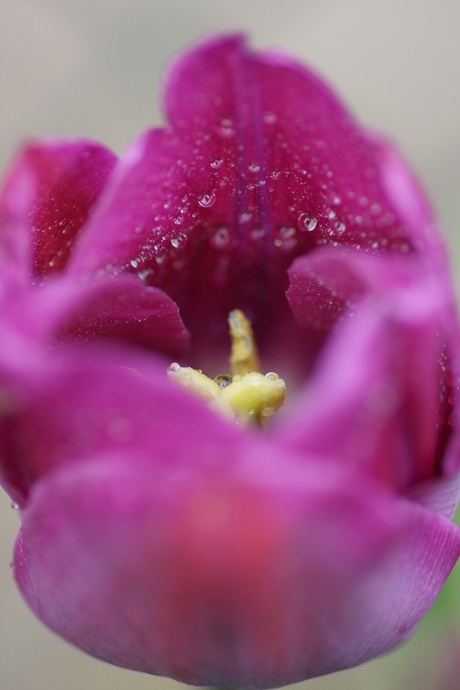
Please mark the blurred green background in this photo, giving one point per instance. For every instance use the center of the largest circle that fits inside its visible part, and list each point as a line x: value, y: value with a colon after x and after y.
x: 93, y: 67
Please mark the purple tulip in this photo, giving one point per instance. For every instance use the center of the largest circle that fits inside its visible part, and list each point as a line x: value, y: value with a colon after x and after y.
x: 158, y: 534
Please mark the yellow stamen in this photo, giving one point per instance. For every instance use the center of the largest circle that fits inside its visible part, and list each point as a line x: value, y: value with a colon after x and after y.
x: 245, y: 396
x: 244, y: 357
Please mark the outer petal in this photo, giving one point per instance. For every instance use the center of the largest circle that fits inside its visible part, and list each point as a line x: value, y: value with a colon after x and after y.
x: 224, y: 578
x: 379, y: 397
x: 49, y: 192
x: 261, y: 164
x: 56, y: 411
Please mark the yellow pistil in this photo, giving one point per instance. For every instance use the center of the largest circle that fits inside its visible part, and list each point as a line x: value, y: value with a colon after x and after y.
x: 246, y: 395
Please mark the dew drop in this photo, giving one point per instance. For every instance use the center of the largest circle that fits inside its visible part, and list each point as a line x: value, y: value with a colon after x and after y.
x: 245, y: 217
x: 178, y: 220
x: 217, y: 163
x: 207, y: 200
x: 220, y: 238
x: 223, y: 380
x: 14, y: 505
x: 257, y: 233
x: 254, y: 167
x: 272, y: 376
x: 145, y: 274
x: 179, y: 240
x: 340, y: 227
x: 307, y: 222
x: 174, y: 367
x: 160, y: 258
x: 287, y: 232
x: 226, y: 128
x: 275, y: 174
x: 134, y: 263
x: 267, y: 411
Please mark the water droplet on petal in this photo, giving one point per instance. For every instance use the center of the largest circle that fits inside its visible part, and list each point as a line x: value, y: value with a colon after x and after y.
x: 254, y: 167
x: 339, y: 226
x: 145, y: 274
x: 174, y: 367
x: 216, y: 164
x: 207, y: 200
x: 178, y: 220
x: 226, y: 128
x: 307, y: 222
x: 287, y: 231
x: 14, y: 505
x: 245, y: 217
x: 220, y: 238
x: 179, y: 241
x: 257, y: 233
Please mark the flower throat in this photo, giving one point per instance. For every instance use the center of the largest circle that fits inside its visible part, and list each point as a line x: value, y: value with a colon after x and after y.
x: 245, y: 395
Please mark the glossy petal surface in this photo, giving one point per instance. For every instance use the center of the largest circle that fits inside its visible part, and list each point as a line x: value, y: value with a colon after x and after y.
x: 261, y: 164
x: 51, y: 189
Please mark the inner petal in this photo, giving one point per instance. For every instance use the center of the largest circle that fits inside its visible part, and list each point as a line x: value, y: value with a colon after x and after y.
x: 261, y: 164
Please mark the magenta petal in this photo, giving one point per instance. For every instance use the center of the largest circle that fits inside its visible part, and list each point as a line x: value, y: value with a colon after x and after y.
x: 57, y: 411
x: 261, y: 164
x: 328, y: 283
x: 128, y: 310
x: 223, y: 578
x: 66, y: 311
x: 368, y: 402
x: 51, y: 189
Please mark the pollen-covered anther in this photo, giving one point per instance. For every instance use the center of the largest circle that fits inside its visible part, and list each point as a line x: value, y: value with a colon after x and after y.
x: 245, y: 395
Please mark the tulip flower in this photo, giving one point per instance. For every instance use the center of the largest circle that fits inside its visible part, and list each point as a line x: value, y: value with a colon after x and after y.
x: 252, y: 523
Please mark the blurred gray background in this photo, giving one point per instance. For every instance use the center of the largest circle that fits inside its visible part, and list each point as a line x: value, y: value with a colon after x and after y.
x: 93, y: 67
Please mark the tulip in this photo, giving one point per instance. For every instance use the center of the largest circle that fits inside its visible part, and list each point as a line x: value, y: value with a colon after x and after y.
x: 167, y: 528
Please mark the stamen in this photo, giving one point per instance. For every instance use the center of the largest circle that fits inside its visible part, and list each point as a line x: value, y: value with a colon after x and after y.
x: 244, y: 357
x: 245, y: 396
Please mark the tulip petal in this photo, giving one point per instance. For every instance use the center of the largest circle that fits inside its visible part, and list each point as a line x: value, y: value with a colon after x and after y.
x: 260, y: 164
x: 128, y: 310
x: 50, y: 191
x: 378, y: 395
x: 65, y: 312
x: 225, y: 578
x: 55, y: 411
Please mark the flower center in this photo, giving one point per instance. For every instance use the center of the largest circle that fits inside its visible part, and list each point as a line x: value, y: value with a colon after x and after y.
x: 245, y: 394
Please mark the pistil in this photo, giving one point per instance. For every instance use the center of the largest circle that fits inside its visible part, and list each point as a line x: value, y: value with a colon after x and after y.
x: 245, y: 395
